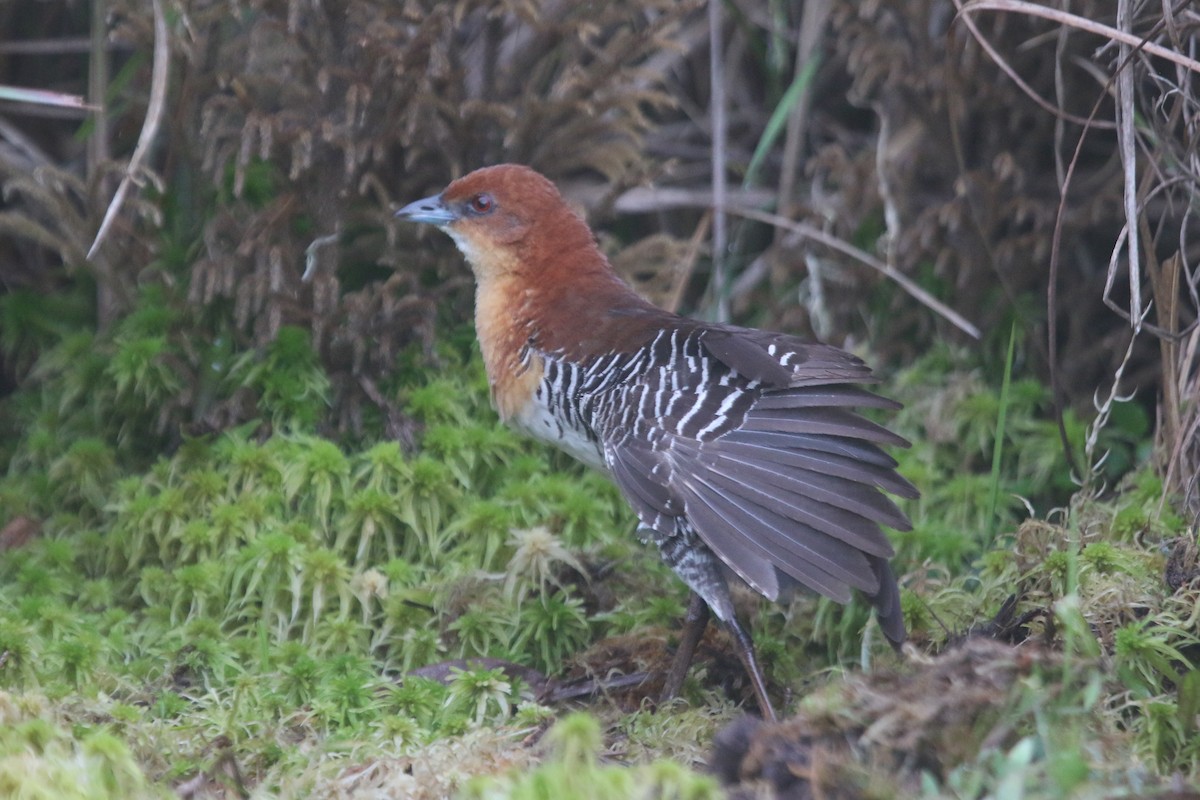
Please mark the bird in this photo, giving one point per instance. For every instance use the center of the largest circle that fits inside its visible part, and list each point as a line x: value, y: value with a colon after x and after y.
x: 741, y: 451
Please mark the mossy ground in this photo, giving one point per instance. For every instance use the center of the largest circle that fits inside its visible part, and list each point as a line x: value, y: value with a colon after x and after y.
x: 266, y: 612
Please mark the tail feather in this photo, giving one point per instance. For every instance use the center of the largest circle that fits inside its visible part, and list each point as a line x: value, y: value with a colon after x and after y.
x: 887, y: 603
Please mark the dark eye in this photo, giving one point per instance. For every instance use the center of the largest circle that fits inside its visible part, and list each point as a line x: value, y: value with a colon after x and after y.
x: 481, y: 203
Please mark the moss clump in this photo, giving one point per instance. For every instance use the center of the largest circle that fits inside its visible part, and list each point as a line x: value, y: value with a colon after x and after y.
x: 574, y: 770
x: 43, y: 759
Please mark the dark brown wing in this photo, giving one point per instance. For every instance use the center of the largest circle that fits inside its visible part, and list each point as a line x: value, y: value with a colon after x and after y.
x: 769, y: 463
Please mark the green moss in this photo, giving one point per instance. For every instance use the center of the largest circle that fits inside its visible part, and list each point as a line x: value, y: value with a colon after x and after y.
x: 42, y: 760
x: 574, y: 770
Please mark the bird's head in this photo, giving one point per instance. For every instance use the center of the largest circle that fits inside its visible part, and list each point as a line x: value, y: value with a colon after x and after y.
x: 504, y: 219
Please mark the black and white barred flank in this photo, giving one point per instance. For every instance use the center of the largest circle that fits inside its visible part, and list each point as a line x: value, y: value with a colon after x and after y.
x: 739, y: 449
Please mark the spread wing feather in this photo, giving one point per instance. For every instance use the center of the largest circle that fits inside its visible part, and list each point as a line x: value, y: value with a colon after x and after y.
x: 833, y: 445
x: 786, y: 485
x: 753, y: 564
x: 730, y: 529
x: 810, y: 492
x: 835, y: 395
x: 736, y: 350
x: 789, y: 496
x: 826, y: 421
x: 793, y: 543
x: 813, y: 460
x: 778, y: 361
x: 632, y: 474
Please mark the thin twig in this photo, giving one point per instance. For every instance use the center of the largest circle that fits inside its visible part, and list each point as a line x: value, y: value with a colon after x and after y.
x: 812, y: 25
x: 1104, y: 410
x: 47, y: 47
x: 832, y: 242
x: 154, y: 114
x: 23, y: 144
x: 719, y: 183
x: 1056, y: 390
x: 97, y: 143
x: 1127, y: 142
x: 695, y: 244
x: 1142, y: 44
x: 44, y: 98
x: 310, y: 254
x: 1002, y: 63
x: 1064, y: 18
x: 653, y: 200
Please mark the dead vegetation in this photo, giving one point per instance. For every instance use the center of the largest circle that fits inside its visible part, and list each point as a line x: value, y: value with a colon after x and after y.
x: 298, y: 129
x: 928, y: 717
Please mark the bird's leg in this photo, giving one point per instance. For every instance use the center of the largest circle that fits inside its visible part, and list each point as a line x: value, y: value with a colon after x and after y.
x: 745, y: 650
x: 694, y: 624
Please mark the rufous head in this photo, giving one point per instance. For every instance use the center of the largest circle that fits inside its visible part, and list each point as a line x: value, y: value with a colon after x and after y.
x: 503, y: 218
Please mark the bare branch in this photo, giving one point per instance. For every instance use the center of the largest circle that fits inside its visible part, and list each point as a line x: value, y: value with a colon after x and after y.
x: 905, y: 283
x: 1064, y: 18
x: 154, y: 113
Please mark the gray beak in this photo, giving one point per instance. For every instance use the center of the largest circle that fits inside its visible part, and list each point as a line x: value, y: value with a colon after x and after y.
x: 431, y: 211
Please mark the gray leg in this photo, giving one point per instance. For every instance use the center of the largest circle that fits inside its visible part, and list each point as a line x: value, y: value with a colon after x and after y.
x: 745, y: 651
x: 693, y: 629
x: 700, y: 569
